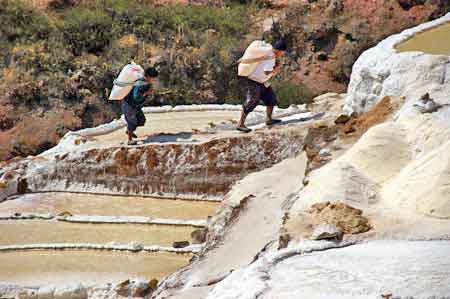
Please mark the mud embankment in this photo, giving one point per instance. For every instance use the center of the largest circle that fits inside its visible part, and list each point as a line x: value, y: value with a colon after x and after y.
x: 199, y: 169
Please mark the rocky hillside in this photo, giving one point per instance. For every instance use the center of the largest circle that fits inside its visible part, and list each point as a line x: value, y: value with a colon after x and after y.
x: 328, y: 36
x: 58, y: 57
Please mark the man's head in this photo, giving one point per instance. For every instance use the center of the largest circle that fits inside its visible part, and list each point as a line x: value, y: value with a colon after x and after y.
x: 279, y: 48
x: 151, y: 74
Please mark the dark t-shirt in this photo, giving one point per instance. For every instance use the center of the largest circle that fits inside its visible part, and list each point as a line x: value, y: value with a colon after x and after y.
x: 136, y: 97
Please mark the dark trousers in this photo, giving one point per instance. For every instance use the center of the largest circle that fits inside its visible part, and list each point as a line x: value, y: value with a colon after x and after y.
x: 133, y: 116
x: 257, y: 92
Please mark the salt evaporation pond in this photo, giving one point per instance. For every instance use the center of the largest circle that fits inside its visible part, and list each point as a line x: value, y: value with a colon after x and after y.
x: 107, y: 205
x: 42, y: 231
x: 85, y: 266
x: 89, y: 266
x: 434, y: 41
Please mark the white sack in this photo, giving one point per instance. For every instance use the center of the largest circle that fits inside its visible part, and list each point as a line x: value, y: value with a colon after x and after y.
x: 125, y: 81
x: 257, y: 52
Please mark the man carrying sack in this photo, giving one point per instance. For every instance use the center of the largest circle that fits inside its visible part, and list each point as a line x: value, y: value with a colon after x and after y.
x: 133, y: 86
x: 259, y: 65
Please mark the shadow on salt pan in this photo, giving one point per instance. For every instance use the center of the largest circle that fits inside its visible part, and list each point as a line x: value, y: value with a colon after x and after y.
x: 167, y: 138
x: 293, y: 119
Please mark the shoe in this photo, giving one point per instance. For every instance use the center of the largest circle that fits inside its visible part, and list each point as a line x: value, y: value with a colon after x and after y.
x: 132, y: 142
x: 244, y: 129
x: 273, y: 122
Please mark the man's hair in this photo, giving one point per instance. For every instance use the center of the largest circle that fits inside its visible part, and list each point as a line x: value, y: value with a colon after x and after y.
x: 280, y: 45
x: 151, y: 72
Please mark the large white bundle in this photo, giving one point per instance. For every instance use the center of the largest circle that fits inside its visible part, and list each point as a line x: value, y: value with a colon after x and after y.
x: 125, y: 81
x: 257, y: 52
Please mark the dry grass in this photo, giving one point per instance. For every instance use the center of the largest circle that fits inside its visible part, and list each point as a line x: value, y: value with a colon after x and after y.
x: 128, y: 41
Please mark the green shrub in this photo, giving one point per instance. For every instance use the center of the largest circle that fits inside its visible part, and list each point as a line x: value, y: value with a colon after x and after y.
x: 158, y: 23
x: 28, y: 93
x: 61, y: 4
x: 291, y: 93
x: 21, y: 23
x: 44, y: 57
x: 5, y: 55
x: 229, y: 21
x: 87, y: 30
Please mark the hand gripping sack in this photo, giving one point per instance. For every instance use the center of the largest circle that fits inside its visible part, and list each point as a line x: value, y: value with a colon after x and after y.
x: 127, y: 78
x: 256, y: 52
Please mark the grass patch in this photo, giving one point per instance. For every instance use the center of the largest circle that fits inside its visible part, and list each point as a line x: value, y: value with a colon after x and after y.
x: 87, y: 30
x: 289, y: 93
x: 21, y: 23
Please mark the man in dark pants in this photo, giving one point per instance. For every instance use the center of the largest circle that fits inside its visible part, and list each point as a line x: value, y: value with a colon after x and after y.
x: 132, y: 104
x: 259, y: 88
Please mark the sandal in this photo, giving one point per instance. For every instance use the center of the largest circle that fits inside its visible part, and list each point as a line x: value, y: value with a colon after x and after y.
x: 244, y: 129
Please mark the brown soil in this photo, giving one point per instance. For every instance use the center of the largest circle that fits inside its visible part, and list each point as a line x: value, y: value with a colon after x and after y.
x: 349, y: 219
x: 35, y: 134
x: 358, y: 125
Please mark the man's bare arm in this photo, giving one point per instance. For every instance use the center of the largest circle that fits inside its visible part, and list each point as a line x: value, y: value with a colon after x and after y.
x: 148, y: 92
x: 274, y: 72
